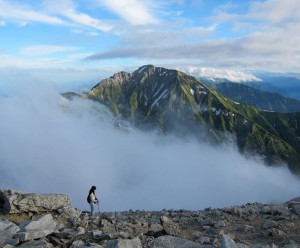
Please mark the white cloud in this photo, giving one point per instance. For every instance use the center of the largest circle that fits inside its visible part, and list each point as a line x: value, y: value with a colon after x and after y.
x: 22, y: 13
x: 214, y: 73
x: 87, y: 20
x: 275, y: 10
x: 66, y: 150
x: 46, y: 49
x: 2, y: 23
x: 134, y: 11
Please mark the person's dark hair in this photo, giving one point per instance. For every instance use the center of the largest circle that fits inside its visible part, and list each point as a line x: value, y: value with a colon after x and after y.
x: 92, y: 190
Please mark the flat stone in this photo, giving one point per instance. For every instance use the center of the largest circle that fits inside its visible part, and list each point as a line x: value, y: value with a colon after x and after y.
x: 45, y: 222
x: 220, y: 223
x: 81, y: 244
x: 125, y: 243
x: 37, y: 243
x: 296, y: 209
x: 30, y: 235
x: 19, y: 202
x: 227, y: 242
x: 174, y: 242
x: 268, y: 224
x: 7, y: 229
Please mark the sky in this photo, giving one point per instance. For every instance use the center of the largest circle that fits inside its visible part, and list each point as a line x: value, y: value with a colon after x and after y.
x: 85, y: 40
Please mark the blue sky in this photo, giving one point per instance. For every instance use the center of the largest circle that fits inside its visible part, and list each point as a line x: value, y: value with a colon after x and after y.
x: 85, y: 38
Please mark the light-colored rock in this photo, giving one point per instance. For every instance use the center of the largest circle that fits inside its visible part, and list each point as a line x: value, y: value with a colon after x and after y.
x: 45, y: 222
x: 34, y: 229
x: 220, y: 223
x: 174, y: 242
x: 228, y: 242
x: 20, y: 202
x: 169, y: 226
x: 292, y: 244
x: 125, y: 243
x: 37, y: 244
x: 294, y: 201
x: 81, y: 244
x: 7, y: 229
x: 296, y: 209
x: 268, y: 224
x: 7, y: 246
x: 30, y: 235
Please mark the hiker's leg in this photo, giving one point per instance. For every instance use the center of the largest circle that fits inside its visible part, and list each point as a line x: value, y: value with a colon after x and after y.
x: 92, y: 209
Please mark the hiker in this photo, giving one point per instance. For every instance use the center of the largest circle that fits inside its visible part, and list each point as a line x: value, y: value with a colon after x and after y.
x: 92, y: 200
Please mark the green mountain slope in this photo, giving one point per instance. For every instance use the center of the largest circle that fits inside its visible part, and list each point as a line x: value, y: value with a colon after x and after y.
x: 258, y: 98
x: 169, y: 100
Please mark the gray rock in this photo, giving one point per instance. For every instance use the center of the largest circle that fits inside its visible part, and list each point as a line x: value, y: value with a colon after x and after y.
x: 20, y: 202
x: 7, y: 246
x: 81, y: 244
x: 69, y: 216
x: 37, y: 243
x: 125, y: 243
x: 170, y: 227
x: 295, y: 201
x: 174, y: 242
x: 45, y: 222
x: 220, y: 223
x: 35, y: 229
x: 7, y: 229
x: 292, y: 244
x: 296, y: 209
x: 30, y: 235
x: 67, y: 233
x: 227, y: 242
x: 268, y: 224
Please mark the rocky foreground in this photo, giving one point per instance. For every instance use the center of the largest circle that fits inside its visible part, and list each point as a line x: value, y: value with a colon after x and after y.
x: 34, y: 220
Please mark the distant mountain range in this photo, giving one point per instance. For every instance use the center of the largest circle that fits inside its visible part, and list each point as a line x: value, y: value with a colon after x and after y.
x: 285, y: 85
x: 169, y: 100
x: 258, y: 98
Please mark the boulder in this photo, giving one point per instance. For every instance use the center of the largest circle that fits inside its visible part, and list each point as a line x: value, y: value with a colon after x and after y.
x: 268, y: 224
x: 124, y: 243
x: 296, y: 209
x: 37, y: 243
x: 35, y: 229
x: 227, y: 242
x: 81, y: 244
x: 294, y: 201
x: 7, y: 229
x: 19, y: 202
x: 45, y: 222
x: 174, y: 242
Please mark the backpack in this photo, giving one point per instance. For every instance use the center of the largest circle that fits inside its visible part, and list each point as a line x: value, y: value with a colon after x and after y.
x: 88, y: 199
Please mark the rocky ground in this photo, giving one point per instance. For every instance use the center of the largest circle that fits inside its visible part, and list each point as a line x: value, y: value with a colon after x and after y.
x: 31, y: 220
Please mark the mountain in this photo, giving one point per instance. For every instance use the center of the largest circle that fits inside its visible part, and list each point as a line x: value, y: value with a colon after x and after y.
x: 154, y: 97
x: 258, y: 98
x: 287, y: 85
x: 284, y: 84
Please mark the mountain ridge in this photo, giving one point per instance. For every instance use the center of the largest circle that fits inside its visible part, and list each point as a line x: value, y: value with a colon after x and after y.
x: 155, y: 97
x: 258, y: 98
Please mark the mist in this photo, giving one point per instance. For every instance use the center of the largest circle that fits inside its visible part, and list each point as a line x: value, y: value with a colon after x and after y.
x: 51, y: 145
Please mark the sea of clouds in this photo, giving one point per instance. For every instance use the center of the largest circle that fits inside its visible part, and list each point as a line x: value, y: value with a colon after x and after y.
x: 51, y: 145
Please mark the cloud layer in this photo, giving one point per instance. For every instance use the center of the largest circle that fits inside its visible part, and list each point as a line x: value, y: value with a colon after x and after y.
x: 51, y: 145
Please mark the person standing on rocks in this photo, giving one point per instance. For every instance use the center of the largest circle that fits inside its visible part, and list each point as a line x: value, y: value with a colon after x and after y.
x: 92, y: 200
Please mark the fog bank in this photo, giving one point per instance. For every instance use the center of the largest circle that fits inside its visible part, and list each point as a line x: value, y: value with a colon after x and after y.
x: 51, y: 145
